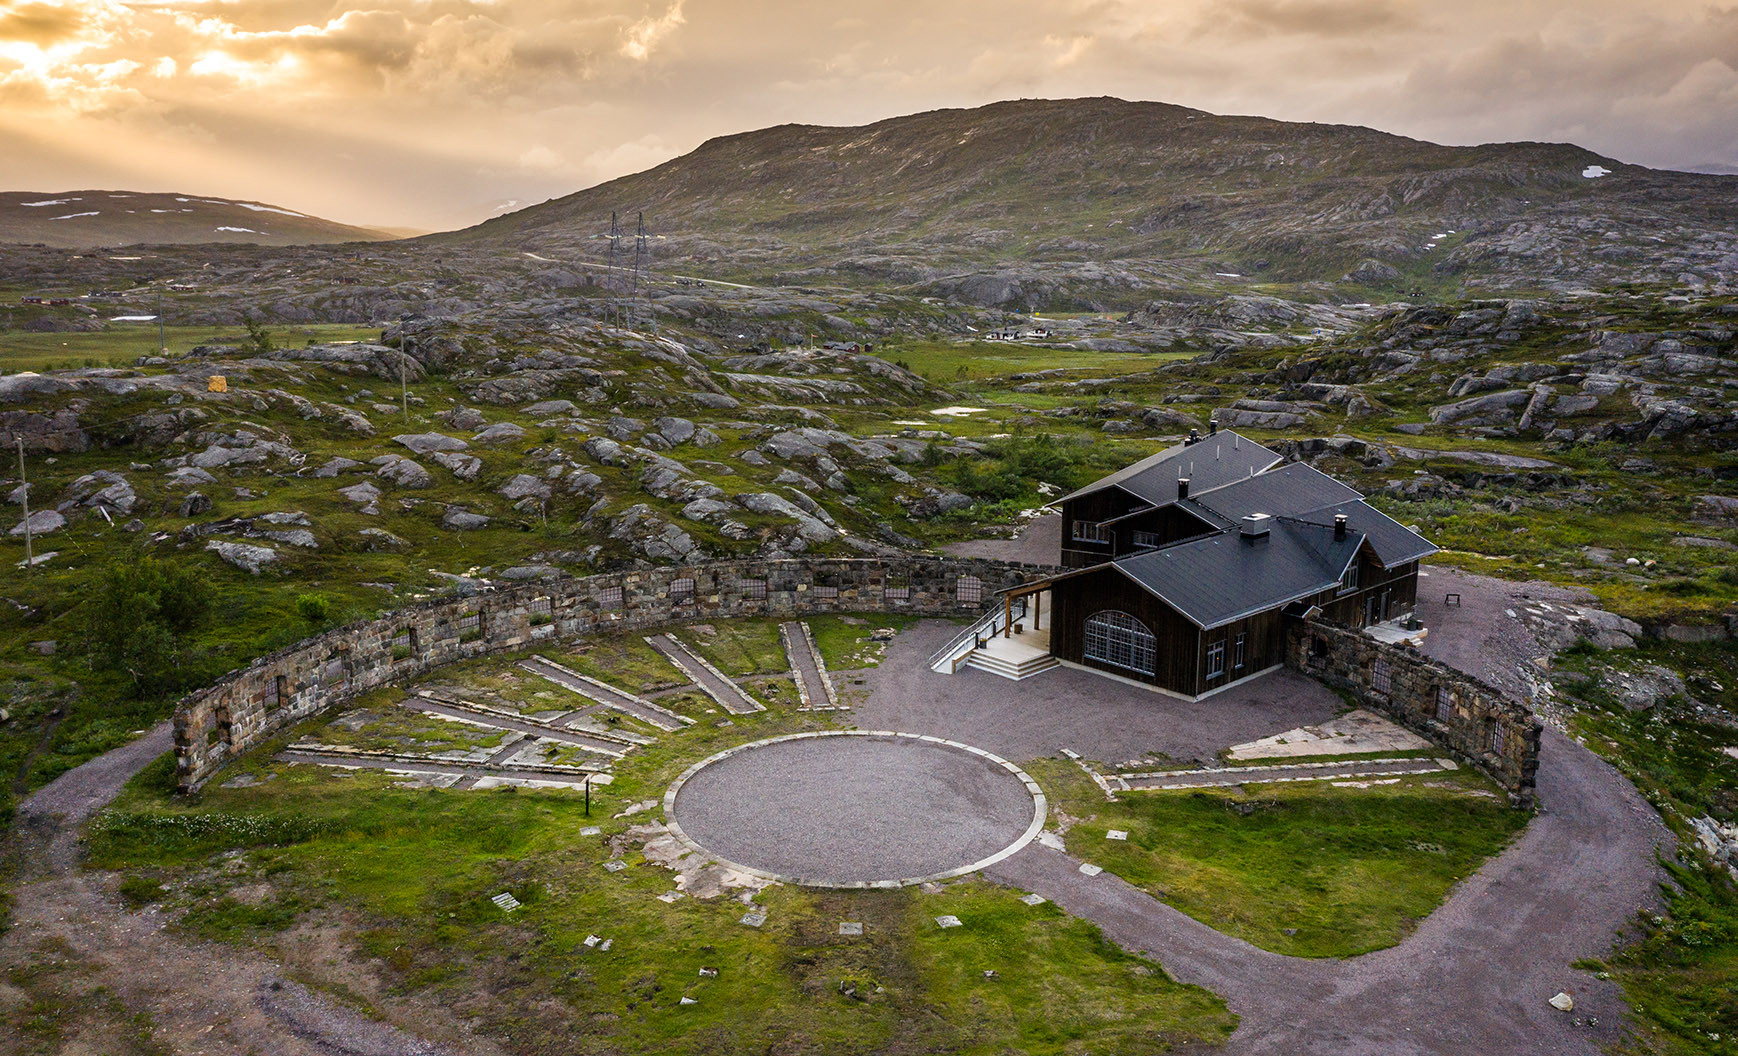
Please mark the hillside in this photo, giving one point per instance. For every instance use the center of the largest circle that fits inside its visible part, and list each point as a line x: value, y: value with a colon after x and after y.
x: 1112, y: 196
x: 92, y: 219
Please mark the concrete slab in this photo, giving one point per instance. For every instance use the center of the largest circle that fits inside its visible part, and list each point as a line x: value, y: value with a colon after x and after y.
x: 1353, y: 733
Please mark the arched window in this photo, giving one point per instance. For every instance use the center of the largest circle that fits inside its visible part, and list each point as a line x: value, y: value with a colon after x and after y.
x: 1116, y: 638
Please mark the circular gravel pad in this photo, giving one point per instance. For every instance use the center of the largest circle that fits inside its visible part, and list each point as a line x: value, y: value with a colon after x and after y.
x: 853, y: 809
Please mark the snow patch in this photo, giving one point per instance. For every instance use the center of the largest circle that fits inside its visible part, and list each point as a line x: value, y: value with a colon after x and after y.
x: 130, y: 318
x: 265, y: 209
x: 74, y: 216
x: 241, y: 230
x: 51, y: 201
x: 1594, y: 172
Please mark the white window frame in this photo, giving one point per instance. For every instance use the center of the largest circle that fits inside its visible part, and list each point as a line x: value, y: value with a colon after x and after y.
x: 1116, y: 638
x: 1240, y: 652
x: 1090, y: 532
x: 1216, y: 659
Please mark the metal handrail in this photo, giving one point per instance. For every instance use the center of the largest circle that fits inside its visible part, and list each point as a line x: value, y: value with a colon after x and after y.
x: 992, y: 622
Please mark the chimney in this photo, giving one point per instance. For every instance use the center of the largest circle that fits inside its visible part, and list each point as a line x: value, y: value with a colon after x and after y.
x: 1182, y: 487
x: 1194, y: 437
x: 1212, y: 426
x: 1339, y: 526
x: 1255, y: 526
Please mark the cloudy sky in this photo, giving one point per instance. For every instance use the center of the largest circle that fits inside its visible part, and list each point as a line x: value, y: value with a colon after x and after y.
x: 435, y: 113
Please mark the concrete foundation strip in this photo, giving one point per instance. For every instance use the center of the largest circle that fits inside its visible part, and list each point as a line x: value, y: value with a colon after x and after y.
x: 604, y: 693
x: 801, y: 653
x: 805, y: 700
x: 821, y: 666
x: 1040, y: 811
x: 494, y: 718
x: 328, y: 755
x: 698, y: 670
x: 1332, y: 771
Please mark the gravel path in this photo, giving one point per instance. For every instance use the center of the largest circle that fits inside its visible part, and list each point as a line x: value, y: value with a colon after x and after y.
x: 201, y: 997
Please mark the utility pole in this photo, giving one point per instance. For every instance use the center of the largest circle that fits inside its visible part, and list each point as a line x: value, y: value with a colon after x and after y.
x: 610, y: 272
x: 24, y: 490
x: 643, y: 253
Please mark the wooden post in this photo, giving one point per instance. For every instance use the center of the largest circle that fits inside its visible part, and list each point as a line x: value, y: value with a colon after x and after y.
x: 1008, y: 615
x: 24, y: 490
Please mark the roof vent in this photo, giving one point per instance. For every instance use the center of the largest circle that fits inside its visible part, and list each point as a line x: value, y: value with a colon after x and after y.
x: 1182, y: 487
x: 1339, y: 526
x: 1256, y: 525
x: 1194, y: 437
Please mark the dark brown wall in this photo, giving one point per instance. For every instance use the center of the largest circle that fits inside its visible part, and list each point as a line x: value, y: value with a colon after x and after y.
x: 1099, y: 506
x: 1177, y: 646
x: 1373, y: 579
x: 1170, y: 523
x: 1264, y: 648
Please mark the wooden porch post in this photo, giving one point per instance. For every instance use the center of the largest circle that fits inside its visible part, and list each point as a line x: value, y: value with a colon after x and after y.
x: 1008, y: 615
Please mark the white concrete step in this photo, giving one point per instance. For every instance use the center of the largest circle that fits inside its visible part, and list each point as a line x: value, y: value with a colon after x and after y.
x: 1015, y: 668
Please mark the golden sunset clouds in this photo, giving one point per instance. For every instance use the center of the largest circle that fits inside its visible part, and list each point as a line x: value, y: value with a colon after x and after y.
x: 431, y: 112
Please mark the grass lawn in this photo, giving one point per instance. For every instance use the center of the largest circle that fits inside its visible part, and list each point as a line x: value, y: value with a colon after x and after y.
x: 1305, y: 870
x: 943, y: 361
x: 844, y: 641
x: 122, y: 343
x: 407, y: 873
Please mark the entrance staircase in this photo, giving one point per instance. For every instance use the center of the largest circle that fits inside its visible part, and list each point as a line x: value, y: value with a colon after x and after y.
x: 986, y: 646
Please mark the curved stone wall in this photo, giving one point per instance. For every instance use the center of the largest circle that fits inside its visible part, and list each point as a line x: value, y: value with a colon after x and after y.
x: 247, y: 706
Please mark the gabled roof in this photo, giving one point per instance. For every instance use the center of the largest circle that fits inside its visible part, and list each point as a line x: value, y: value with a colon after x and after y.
x: 1283, y: 492
x: 1211, y: 462
x: 1225, y: 577
x: 1394, y: 543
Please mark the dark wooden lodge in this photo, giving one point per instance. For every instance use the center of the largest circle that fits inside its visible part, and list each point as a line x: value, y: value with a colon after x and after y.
x: 1186, y: 564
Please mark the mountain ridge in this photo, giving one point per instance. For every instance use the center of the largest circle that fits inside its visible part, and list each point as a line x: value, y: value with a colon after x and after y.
x: 99, y: 218
x: 1040, y: 183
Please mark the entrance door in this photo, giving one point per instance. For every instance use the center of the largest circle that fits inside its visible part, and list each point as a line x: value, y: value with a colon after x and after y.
x: 1373, y: 606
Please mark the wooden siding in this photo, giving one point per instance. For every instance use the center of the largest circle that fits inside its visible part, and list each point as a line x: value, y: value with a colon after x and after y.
x: 1263, y: 648
x: 1099, y: 506
x: 1176, y: 640
x: 1352, y: 610
x: 1170, y: 523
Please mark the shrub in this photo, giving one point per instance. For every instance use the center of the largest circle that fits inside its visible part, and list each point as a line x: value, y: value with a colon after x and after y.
x: 315, y: 608
x: 139, y: 621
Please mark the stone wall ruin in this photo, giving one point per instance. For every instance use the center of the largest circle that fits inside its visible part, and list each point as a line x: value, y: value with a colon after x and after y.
x: 1478, y: 723
x: 247, y: 706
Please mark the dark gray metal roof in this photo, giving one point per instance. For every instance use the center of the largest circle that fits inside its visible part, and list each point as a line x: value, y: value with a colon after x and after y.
x: 1223, y: 578
x: 1285, y: 492
x: 1394, y: 543
x: 1212, y: 462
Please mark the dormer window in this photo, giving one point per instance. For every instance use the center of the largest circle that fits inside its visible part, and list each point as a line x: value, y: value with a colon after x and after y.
x: 1091, y: 532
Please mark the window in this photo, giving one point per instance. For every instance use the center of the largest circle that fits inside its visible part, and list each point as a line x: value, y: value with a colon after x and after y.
x: 1379, y: 676
x: 1216, y: 659
x: 283, y: 691
x: 1349, y: 581
x: 470, y: 626
x: 752, y: 589
x: 1499, y: 737
x: 682, y: 589
x: 610, y: 597
x: 898, y: 588
x: 1318, y: 647
x: 332, y: 670
x: 1146, y: 539
x: 1237, y: 654
x: 404, y: 644
x: 538, y: 607
x: 1116, y: 638
x: 1091, y: 532
x: 1444, y: 704
x: 826, y: 590
x: 969, y: 590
